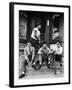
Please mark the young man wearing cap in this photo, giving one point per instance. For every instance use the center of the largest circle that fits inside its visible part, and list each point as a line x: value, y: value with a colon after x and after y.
x: 43, y: 52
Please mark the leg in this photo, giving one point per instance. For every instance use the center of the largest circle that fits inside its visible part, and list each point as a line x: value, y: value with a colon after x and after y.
x: 45, y: 58
x: 33, y: 41
x: 60, y: 60
x: 40, y: 58
x: 36, y: 64
x: 21, y: 65
x: 35, y: 44
x: 55, y: 67
x: 56, y: 64
x: 23, y: 68
x: 49, y: 61
x: 33, y: 61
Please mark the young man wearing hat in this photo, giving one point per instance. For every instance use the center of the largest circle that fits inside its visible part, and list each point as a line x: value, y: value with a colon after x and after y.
x: 43, y: 52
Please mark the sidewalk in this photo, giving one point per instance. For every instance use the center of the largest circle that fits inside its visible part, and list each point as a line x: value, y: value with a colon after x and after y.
x: 44, y: 72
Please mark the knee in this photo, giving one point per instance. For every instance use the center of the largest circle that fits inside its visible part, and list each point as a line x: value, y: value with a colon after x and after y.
x: 40, y: 56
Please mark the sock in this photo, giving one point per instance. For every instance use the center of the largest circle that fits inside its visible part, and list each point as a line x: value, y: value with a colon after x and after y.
x: 40, y: 62
x: 34, y: 63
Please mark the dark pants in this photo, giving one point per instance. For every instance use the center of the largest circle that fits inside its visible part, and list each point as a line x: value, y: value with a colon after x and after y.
x: 43, y: 58
x: 57, y: 62
x: 58, y: 57
x: 26, y: 63
x: 24, y: 66
x: 35, y: 43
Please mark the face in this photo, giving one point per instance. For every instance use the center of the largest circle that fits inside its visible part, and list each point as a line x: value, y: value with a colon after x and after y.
x: 29, y: 44
x: 39, y: 26
x: 58, y: 44
x: 44, y: 45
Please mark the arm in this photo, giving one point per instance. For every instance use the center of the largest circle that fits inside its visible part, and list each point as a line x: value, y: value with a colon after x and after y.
x: 35, y: 33
x: 48, y: 49
x: 39, y: 39
x: 40, y: 51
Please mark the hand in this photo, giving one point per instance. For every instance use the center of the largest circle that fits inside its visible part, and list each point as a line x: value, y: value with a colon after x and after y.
x: 51, y: 51
x: 55, y: 52
x: 27, y: 60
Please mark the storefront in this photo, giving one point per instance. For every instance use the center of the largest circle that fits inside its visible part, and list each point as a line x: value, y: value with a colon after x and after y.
x: 52, y: 25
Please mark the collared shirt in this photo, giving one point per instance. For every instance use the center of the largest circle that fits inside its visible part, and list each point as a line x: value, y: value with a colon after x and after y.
x: 58, y: 50
x: 43, y: 50
x: 35, y: 32
x: 29, y: 51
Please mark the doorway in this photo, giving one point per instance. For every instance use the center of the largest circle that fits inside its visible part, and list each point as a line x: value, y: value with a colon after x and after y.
x: 38, y: 18
x: 29, y: 20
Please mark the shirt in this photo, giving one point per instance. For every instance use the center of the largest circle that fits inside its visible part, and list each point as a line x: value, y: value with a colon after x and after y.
x: 35, y: 33
x: 43, y: 50
x: 58, y: 50
x: 29, y: 51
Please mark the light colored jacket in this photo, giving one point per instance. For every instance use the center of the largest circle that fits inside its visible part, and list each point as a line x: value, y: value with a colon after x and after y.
x: 27, y: 52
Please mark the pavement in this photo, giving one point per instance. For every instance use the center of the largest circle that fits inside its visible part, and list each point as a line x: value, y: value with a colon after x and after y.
x: 44, y: 72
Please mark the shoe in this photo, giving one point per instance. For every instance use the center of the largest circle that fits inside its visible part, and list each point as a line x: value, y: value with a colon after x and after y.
x: 61, y: 65
x: 22, y: 75
x: 33, y: 65
x: 26, y: 63
x: 48, y: 66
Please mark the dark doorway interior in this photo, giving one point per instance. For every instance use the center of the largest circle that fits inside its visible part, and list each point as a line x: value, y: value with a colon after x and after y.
x: 34, y: 18
x: 29, y: 19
